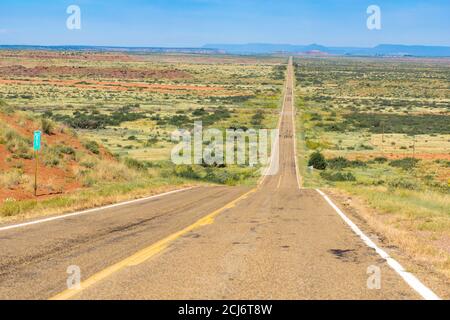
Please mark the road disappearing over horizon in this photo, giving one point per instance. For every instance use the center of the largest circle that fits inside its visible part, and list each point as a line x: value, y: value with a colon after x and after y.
x: 276, y: 241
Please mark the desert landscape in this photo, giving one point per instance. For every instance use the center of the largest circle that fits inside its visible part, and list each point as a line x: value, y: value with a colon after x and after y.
x: 236, y: 158
x: 372, y: 132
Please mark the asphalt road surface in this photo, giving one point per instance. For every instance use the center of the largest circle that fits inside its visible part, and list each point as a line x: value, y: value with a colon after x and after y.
x: 276, y: 241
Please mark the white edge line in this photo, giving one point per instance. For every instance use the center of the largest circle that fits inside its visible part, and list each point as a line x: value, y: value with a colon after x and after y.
x: 294, y: 113
x: 408, y: 277
x: 275, y: 144
x: 20, y: 225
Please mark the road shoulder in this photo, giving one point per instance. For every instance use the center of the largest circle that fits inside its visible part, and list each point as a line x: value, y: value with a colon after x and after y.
x: 391, y: 240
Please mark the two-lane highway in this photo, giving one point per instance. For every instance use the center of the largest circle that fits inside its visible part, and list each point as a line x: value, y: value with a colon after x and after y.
x: 276, y: 241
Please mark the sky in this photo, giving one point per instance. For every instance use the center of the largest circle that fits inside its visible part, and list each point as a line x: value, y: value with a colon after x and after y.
x: 193, y: 23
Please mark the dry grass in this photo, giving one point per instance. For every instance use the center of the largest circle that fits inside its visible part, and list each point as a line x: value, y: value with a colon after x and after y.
x: 12, y: 178
x: 416, y: 223
x: 12, y: 210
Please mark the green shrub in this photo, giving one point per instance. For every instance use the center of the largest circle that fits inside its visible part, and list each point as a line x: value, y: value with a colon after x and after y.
x: 317, y: 160
x: 338, y: 176
x: 51, y: 157
x: 152, y: 140
x: 444, y: 163
x: 97, y: 120
x: 365, y: 147
x: 92, y: 146
x: 380, y: 159
x: 313, y: 145
x: 338, y: 163
x: 88, y: 181
x: 211, y: 174
x: 257, y: 118
x: 316, y: 117
x: 405, y: 163
x: 358, y: 164
x: 19, y: 146
x: 4, y: 107
x: 178, y: 120
x: 278, y: 72
x: 186, y: 171
x: 199, y: 112
x: 47, y: 126
x: 222, y: 176
x: 65, y: 150
x: 136, y: 164
x: 219, y: 113
x: 403, y: 184
x: 393, y: 123
x: 88, y: 164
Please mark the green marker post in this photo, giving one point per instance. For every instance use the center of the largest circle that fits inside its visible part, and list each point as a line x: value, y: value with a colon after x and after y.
x: 36, y: 148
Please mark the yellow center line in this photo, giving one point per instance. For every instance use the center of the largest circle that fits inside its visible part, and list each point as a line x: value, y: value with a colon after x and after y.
x: 147, y: 253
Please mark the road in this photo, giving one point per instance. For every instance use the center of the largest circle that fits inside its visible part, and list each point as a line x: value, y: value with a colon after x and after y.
x: 276, y: 241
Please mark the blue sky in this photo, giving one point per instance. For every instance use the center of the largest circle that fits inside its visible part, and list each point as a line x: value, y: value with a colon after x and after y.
x: 197, y: 22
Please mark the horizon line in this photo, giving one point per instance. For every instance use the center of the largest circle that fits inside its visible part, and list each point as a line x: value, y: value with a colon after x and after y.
x: 205, y: 46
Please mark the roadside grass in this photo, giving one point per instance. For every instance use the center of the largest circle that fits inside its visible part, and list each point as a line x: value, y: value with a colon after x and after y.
x: 104, y: 194
x: 109, y: 183
x: 106, y: 182
x: 423, y: 210
x: 418, y: 222
x: 13, y: 178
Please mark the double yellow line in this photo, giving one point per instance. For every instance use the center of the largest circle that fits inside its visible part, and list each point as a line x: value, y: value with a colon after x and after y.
x: 147, y: 253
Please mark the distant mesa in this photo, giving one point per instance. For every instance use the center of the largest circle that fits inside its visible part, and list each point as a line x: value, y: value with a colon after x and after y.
x: 383, y: 50
x: 314, y: 53
x: 316, y: 49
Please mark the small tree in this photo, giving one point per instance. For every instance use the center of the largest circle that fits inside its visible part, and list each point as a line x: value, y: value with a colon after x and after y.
x: 47, y: 126
x: 4, y: 107
x: 317, y: 161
